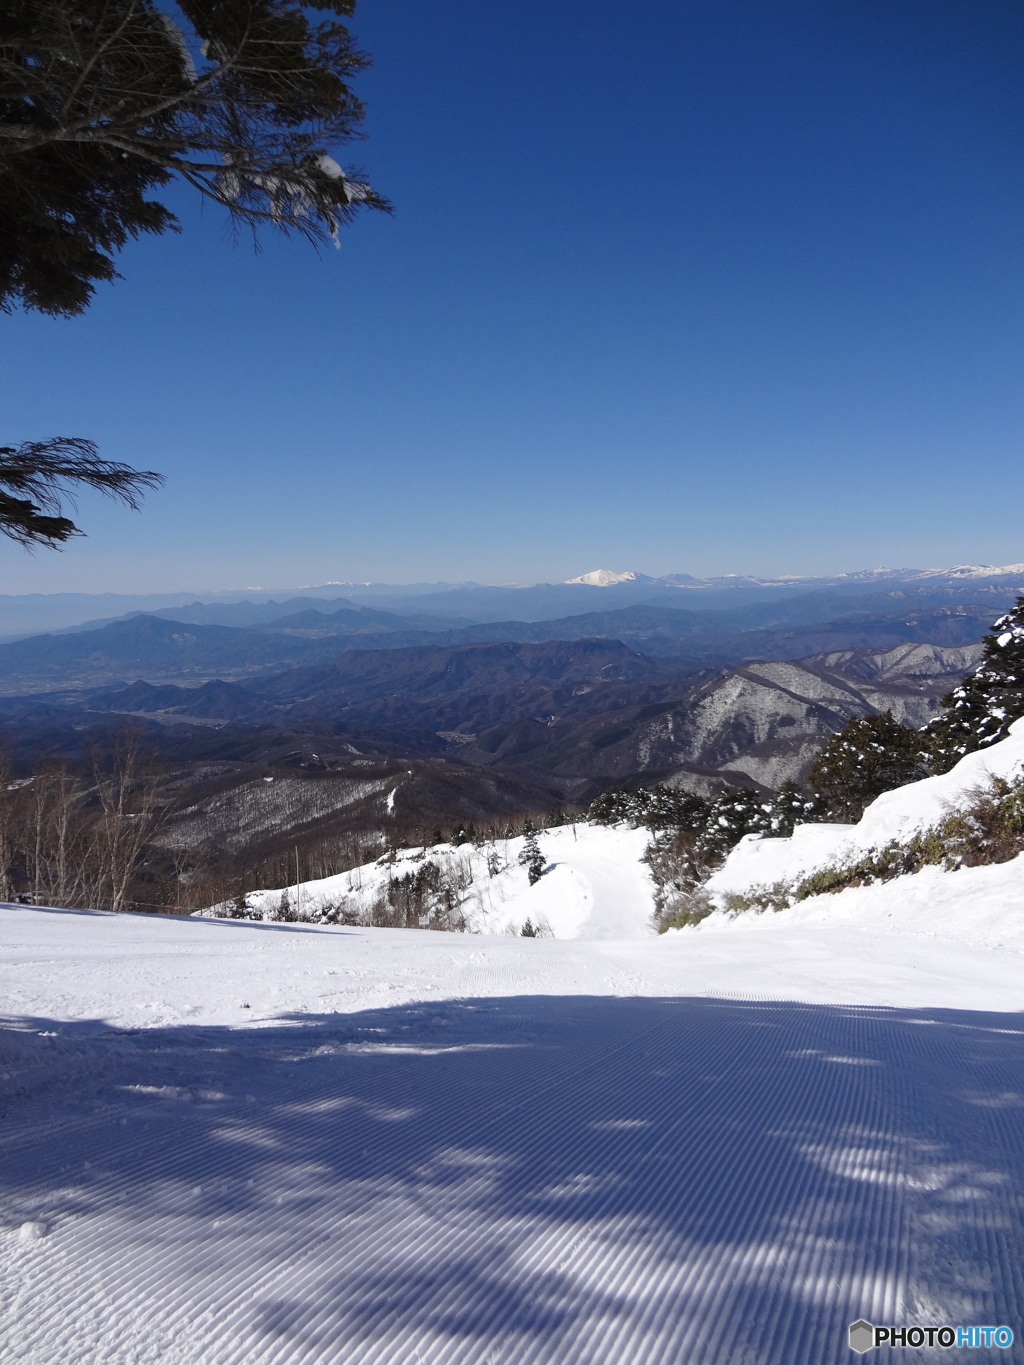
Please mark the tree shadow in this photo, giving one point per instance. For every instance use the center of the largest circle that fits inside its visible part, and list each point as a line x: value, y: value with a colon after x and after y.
x: 542, y: 1179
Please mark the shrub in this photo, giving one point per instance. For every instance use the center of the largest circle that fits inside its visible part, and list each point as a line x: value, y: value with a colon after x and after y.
x: 990, y: 829
x: 679, y: 909
x: 778, y: 896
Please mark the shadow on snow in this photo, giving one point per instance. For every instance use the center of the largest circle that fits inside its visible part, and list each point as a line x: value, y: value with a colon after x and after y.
x: 543, y: 1179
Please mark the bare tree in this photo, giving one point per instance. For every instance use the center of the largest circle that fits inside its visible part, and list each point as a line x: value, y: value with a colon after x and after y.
x: 56, y: 837
x: 126, y: 792
x: 12, y: 804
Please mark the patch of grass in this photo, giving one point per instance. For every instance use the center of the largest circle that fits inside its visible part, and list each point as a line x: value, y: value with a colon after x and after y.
x: 758, y: 899
x: 681, y: 909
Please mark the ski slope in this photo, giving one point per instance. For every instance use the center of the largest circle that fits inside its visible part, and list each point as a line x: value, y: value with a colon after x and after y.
x: 594, y: 885
x: 234, y: 1143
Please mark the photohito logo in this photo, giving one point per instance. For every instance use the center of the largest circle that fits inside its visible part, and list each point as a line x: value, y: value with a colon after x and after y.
x: 864, y: 1336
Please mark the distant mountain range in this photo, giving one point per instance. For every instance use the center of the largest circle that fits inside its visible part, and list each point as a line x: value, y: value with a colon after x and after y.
x: 483, y: 701
x: 568, y: 718
x: 599, y: 589
x: 163, y: 648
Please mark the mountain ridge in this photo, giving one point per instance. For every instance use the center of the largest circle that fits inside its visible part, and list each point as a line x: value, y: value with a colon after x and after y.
x: 38, y: 613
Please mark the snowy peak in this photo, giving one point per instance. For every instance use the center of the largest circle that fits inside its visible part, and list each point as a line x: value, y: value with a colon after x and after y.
x: 975, y: 571
x: 605, y: 578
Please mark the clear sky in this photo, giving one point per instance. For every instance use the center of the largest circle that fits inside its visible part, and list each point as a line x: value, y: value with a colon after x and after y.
x: 713, y: 286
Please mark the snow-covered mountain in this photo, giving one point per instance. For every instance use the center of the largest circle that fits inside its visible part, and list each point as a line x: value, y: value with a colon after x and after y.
x: 605, y: 578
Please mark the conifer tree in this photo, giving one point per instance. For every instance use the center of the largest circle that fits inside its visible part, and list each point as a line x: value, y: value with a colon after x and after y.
x: 530, y: 855
x: 38, y: 479
x: 732, y: 814
x: 980, y: 711
x: 869, y: 756
x: 103, y: 102
x: 659, y: 808
x: 674, y: 808
x: 789, y: 807
x: 617, y: 806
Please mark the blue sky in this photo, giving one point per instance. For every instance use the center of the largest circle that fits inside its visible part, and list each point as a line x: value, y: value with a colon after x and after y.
x: 726, y: 286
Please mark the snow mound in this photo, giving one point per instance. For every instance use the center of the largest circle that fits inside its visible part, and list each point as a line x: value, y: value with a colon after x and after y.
x: 894, y: 816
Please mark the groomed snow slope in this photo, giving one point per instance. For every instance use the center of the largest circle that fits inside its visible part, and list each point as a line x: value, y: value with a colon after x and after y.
x: 720, y: 1146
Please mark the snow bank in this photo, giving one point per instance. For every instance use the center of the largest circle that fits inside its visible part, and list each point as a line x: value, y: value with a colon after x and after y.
x: 897, y: 815
x: 979, y: 907
x: 594, y: 885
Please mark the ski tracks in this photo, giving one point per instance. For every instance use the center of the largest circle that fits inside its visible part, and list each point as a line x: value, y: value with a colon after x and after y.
x: 526, y: 1181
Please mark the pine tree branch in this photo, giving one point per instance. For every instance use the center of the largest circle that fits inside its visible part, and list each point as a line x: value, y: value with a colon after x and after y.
x: 40, y: 471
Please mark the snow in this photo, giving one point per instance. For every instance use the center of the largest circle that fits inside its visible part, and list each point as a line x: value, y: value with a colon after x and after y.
x: 604, y: 578
x: 973, y: 571
x: 977, y: 907
x: 896, y: 815
x: 243, y: 1143
x: 594, y: 885
x: 146, y: 971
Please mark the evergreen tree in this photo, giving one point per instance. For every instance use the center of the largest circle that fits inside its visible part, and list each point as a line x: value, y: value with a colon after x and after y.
x: 869, y: 756
x: 659, y: 808
x: 530, y: 855
x: 528, y: 930
x: 732, y: 814
x: 284, y: 913
x: 789, y: 807
x: 673, y: 808
x: 40, y: 472
x: 617, y: 806
x: 103, y: 101
x: 980, y: 711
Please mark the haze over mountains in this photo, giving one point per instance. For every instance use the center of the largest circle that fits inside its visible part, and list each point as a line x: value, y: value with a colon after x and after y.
x: 599, y: 590
x: 628, y: 651
x: 284, y: 717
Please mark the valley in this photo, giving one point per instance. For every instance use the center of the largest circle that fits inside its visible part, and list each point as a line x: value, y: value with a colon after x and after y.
x: 317, y: 727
